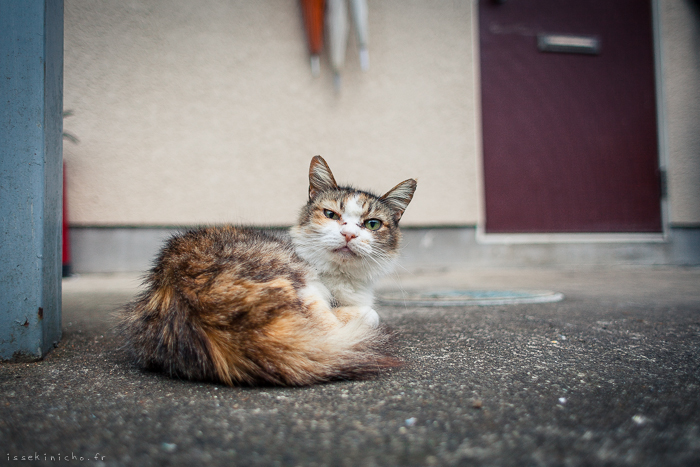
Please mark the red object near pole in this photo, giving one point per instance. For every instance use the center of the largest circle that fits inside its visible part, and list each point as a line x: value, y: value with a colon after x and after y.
x: 66, y: 238
x: 313, y: 12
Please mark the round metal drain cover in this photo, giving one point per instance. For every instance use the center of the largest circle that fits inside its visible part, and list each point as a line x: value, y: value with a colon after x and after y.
x: 468, y: 297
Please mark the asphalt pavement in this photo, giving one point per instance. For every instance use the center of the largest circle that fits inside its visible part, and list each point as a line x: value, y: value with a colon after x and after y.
x: 610, y: 375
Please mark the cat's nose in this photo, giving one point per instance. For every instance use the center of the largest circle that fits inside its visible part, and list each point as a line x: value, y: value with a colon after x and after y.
x: 349, y: 236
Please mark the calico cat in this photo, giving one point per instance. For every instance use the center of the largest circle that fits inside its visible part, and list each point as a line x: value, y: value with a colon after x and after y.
x: 241, y: 306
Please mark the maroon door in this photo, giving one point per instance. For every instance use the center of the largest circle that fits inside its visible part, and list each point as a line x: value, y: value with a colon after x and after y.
x: 569, y: 116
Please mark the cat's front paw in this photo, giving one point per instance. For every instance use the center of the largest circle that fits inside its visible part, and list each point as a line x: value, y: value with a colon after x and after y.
x: 369, y: 316
x: 363, y: 314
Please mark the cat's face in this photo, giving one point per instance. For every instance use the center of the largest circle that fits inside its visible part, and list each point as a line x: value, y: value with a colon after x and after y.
x: 348, y: 229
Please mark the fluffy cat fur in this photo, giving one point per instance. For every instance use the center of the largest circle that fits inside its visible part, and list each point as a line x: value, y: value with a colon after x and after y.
x: 241, y: 306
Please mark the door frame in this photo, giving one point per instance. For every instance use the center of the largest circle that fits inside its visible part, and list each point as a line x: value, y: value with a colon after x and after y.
x: 538, y: 238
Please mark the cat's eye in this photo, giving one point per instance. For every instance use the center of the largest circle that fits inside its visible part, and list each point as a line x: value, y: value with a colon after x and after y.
x: 330, y: 214
x: 373, y: 224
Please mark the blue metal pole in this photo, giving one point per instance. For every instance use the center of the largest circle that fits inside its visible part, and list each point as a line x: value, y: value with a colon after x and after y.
x: 31, y: 153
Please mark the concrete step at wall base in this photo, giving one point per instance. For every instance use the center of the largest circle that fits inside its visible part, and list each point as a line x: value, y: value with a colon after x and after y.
x: 107, y: 250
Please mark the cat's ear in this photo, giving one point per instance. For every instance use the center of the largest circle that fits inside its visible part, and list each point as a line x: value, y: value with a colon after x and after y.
x: 398, y: 197
x: 320, y: 177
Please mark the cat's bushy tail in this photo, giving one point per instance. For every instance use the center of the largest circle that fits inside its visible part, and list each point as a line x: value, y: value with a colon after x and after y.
x: 263, y: 337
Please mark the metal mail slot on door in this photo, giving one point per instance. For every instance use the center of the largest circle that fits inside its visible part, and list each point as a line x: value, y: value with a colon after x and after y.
x: 564, y: 43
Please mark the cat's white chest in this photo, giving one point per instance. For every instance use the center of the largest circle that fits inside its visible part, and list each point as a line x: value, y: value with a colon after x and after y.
x: 347, y: 292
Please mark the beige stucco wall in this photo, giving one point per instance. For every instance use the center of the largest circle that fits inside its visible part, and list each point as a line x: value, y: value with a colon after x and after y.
x: 680, y: 52
x: 199, y: 112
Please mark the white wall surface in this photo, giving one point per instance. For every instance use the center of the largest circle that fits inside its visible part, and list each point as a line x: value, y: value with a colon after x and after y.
x: 200, y: 112
x: 680, y: 23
